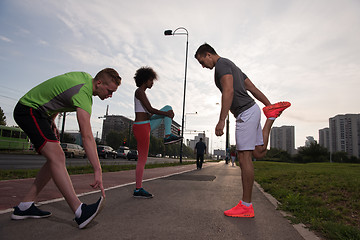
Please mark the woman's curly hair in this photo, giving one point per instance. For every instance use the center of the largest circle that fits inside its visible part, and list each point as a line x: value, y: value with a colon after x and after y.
x: 144, y: 74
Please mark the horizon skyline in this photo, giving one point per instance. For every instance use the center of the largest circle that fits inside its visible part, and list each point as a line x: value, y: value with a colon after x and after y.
x: 196, y: 133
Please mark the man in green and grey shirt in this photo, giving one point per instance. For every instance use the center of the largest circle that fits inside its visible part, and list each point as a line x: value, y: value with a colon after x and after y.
x: 35, y: 114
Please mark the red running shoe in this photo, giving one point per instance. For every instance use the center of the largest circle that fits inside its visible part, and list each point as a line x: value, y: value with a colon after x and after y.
x: 240, y: 210
x: 274, y: 110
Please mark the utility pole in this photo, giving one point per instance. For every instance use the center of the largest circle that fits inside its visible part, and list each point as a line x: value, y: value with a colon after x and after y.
x: 63, y: 127
x: 227, y: 144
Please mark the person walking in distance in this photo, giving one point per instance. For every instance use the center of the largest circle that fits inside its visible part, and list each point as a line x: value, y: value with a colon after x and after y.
x: 251, y: 140
x: 200, y: 149
x: 233, y: 157
x: 35, y: 114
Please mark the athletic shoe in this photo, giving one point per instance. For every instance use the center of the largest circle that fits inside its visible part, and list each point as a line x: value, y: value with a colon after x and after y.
x: 172, y: 139
x: 89, y: 212
x: 274, y: 110
x: 31, y: 212
x: 142, y: 193
x: 240, y: 210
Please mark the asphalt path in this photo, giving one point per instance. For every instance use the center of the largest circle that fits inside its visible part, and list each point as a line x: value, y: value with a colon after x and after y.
x: 187, y: 205
x: 35, y: 161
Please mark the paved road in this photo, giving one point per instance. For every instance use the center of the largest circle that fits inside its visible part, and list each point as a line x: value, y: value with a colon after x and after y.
x: 186, y: 206
x: 35, y: 161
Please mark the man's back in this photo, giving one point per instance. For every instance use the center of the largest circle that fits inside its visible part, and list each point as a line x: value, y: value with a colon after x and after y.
x: 200, y: 147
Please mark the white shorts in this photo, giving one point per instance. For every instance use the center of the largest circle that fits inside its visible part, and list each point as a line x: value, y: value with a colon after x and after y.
x: 248, y: 133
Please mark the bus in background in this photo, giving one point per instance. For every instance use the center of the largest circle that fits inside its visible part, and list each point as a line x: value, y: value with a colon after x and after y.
x: 13, y: 138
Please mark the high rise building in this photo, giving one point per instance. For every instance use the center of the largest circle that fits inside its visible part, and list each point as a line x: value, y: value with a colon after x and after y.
x: 160, y: 131
x: 345, y: 134
x: 324, y: 138
x: 118, y: 123
x: 283, y: 138
x: 115, y: 123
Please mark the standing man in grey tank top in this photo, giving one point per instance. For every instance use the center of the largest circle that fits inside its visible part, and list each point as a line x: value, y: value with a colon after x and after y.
x: 251, y: 139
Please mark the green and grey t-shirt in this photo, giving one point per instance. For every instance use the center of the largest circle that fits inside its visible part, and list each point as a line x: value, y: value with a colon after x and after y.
x: 63, y: 93
x: 241, y: 100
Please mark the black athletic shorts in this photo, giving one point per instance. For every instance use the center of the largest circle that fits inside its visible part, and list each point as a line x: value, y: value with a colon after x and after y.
x: 35, y: 124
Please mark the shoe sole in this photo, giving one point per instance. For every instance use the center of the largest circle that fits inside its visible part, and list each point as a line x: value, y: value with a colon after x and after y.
x: 241, y: 216
x: 174, y: 141
x: 17, y: 217
x: 143, y: 196
x: 272, y: 107
x: 98, y: 210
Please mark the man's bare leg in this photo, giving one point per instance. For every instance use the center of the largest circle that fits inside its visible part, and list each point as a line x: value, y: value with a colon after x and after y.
x: 39, y: 183
x: 260, y: 151
x: 247, y: 174
x: 56, y: 163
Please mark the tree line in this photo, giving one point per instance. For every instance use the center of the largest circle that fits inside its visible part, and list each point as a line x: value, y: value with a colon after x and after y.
x: 2, y: 118
x: 312, y: 153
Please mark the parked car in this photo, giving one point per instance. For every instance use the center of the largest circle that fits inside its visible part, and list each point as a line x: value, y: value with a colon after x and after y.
x: 106, y: 151
x: 122, y: 152
x: 132, y: 154
x: 73, y: 150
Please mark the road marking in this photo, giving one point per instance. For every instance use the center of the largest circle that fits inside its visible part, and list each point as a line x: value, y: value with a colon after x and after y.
x: 97, y: 191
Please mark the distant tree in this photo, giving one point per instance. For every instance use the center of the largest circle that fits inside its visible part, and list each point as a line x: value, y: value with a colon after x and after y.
x: 313, y: 153
x: 172, y: 149
x: 2, y: 117
x: 340, y: 157
x: 354, y: 159
x: 343, y: 157
x: 156, y: 146
x: 189, y: 152
x: 68, y: 138
x: 132, y: 142
x: 98, y: 141
x: 278, y: 155
x: 115, y: 139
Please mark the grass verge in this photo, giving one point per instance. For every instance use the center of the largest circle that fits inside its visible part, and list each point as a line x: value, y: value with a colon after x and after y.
x: 323, y: 196
x: 31, y: 173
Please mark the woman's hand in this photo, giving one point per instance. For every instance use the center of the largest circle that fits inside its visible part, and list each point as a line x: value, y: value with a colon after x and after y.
x: 170, y: 114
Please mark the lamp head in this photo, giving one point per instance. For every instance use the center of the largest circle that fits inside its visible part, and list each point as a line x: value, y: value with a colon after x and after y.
x: 168, y: 32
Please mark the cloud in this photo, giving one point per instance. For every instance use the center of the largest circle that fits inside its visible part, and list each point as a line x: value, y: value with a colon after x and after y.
x: 5, y: 39
x: 42, y: 42
x: 305, y: 52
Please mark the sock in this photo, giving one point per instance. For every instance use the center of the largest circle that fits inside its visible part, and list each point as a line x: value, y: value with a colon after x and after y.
x: 78, y: 212
x: 23, y: 206
x: 246, y: 204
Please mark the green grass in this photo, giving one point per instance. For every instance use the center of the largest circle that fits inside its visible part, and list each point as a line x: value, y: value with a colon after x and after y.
x: 323, y: 196
x: 20, y: 174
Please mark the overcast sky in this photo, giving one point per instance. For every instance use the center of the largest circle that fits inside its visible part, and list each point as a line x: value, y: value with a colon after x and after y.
x: 303, y: 51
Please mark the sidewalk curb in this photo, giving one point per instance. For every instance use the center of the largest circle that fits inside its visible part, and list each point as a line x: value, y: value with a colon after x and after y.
x: 300, y: 228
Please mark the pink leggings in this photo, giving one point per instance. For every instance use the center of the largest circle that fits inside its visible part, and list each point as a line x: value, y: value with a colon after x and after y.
x: 141, y: 132
x: 142, y: 135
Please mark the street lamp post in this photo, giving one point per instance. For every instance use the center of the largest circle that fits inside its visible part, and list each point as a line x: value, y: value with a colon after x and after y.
x: 173, y: 33
x: 227, y: 144
x: 63, y: 128
x: 63, y: 125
